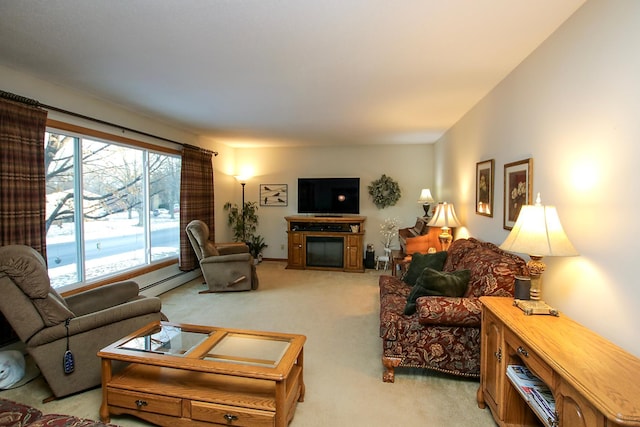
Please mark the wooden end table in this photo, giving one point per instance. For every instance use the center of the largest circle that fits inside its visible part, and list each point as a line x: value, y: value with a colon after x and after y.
x: 181, y: 374
x: 399, y: 259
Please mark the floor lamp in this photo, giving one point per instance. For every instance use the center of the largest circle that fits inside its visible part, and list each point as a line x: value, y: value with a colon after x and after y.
x: 243, y: 182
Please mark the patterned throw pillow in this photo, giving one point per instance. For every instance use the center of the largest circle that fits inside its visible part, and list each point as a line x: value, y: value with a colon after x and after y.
x: 421, y: 261
x: 437, y: 283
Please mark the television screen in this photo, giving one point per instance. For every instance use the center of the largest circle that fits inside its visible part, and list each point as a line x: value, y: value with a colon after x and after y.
x: 333, y: 196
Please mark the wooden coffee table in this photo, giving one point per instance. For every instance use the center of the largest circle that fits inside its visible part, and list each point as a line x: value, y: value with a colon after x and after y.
x: 190, y: 375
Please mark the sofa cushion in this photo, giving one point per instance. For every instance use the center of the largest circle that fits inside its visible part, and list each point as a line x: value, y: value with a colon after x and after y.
x: 485, y: 260
x: 421, y: 261
x: 437, y: 283
x: 393, y: 285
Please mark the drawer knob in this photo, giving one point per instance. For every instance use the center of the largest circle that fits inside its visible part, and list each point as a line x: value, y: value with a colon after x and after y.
x: 522, y: 351
x: 498, y: 355
x: 141, y: 403
x: 230, y: 418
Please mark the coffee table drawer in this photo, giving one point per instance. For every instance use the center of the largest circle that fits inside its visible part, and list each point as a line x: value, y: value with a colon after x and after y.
x: 145, y: 402
x: 231, y: 415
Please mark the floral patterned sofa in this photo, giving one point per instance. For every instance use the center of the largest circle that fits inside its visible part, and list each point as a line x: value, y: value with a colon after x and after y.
x: 444, y: 332
x: 14, y: 414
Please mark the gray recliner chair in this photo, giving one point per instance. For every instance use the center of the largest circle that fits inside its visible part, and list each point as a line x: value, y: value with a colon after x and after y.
x: 96, y: 318
x: 224, y: 267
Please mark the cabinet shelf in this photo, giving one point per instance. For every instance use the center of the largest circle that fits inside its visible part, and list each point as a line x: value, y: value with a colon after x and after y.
x: 532, y: 390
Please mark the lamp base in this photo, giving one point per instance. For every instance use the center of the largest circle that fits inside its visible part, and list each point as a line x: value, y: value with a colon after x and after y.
x: 535, y: 307
x: 427, y: 208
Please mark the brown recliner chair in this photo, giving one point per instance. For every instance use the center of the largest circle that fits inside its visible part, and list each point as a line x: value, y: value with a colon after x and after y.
x: 97, y: 318
x: 224, y: 267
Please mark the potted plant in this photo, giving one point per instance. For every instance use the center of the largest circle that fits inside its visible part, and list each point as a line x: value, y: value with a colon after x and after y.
x: 243, y: 226
x: 256, y: 245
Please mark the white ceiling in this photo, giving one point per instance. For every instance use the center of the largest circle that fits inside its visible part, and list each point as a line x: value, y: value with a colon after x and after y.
x: 282, y: 72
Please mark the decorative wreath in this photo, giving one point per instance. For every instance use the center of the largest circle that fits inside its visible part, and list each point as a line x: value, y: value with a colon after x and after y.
x: 384, y: 191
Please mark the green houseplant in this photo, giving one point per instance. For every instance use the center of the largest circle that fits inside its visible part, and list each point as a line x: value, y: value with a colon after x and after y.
x: 243, y: 226
x: 256, y: 245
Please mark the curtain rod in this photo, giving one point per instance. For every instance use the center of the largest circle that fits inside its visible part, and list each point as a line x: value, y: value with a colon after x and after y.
x: 18, y: 98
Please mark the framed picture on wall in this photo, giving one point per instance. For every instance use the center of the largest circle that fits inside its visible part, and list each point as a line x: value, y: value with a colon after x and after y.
x: 518, y: 189
x: 273, y: 195
x: 484, y: 188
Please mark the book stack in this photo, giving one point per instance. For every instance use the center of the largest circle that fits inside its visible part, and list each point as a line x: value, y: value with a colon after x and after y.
x: 535, y: 392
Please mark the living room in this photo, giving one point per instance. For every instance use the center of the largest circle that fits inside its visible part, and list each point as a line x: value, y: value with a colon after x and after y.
x: 571, y: 106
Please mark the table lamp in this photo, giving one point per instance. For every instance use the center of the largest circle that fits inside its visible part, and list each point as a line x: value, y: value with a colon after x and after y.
x: 538, y: 233
x: 426, y: 199
x: 445, y: 218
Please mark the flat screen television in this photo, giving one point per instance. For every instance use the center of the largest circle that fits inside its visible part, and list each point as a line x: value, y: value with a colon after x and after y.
x: 329, y: 196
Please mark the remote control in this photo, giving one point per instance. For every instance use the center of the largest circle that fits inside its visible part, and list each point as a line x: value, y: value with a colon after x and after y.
x: 68, y: 363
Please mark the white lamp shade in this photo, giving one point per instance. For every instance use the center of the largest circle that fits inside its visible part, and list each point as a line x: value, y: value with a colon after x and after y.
x: 444, y: 216
x: 538, y: 232
x: 425, y: 196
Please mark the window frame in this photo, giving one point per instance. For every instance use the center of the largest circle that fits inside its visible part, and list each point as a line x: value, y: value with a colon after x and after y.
x: 53, y: 125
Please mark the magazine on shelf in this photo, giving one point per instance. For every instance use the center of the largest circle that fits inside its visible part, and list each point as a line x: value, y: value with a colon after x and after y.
x: 534, y: 391
x: 523, y: 377
x: 544, y: 398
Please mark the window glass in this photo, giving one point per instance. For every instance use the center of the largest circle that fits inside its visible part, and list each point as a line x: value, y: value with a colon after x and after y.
x: 60, y: 166
x: 128, y: 215
x: 113, y: 208
x: 164, y: 197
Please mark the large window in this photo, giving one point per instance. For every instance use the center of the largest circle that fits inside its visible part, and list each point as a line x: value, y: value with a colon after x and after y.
x: 128, y: 215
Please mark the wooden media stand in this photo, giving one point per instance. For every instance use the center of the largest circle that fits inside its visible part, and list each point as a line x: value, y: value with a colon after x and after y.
x: 326, y: 242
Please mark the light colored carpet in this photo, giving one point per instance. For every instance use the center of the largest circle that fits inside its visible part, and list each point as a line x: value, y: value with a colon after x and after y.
x: 339, y: 314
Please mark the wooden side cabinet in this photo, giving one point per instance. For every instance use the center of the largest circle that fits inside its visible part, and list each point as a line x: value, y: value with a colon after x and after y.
x: 353, y: 256
x: 491, y: 358
x: 594, y: 383
x: 296, y: 250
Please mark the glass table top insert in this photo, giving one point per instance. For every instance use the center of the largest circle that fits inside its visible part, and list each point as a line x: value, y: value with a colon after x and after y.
x: 248, y: 349
x: 167, y: 340
x: 226, y: 347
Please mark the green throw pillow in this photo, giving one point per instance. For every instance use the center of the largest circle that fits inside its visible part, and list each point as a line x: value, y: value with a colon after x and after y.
x: 421, y: 261
x: 432, y: 282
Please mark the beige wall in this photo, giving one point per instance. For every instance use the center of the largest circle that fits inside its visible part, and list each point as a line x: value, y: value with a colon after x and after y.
x: 410, y: 165
x: 573, y: 107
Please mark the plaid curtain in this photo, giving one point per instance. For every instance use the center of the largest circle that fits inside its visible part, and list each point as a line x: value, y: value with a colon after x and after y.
x: 196, y: 199
x: 22, y: 175
x: 22, y: 183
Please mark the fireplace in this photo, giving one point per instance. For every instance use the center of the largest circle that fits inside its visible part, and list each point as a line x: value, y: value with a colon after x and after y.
x: 325, y: 251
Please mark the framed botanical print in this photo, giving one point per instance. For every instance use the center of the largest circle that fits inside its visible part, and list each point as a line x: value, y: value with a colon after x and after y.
x: 273, y: 195
x: 484, y: 187
x: 518, y: 189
